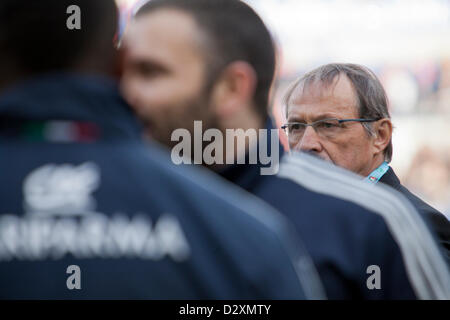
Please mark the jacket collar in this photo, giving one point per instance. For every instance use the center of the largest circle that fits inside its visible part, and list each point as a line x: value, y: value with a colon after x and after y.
x: 71, y: 97
x: 391, y: 179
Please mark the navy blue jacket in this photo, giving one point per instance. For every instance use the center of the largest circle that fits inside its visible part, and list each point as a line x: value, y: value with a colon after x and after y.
x: 345, y: 236
x: 80, y: 190
x: 437, y: 220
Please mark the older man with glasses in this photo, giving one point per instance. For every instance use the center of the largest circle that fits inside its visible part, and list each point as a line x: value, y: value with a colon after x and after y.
x: 339, y: 113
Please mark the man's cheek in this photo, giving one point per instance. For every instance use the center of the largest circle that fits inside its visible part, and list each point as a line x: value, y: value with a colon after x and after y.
x: 340, y: 155
x: 330, y: 152
x: 131, y: 93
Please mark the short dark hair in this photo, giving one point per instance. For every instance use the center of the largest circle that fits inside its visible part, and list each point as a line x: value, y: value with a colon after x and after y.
x: 34, y: 35
x: 234, y: 31
x: 372, y: 102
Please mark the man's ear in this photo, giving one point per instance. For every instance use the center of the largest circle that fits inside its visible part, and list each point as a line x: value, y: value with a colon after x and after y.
x: 383, y: 134
x: 234, y: 89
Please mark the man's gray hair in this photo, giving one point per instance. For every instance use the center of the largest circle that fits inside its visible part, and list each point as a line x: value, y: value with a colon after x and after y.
x: 372, y: 101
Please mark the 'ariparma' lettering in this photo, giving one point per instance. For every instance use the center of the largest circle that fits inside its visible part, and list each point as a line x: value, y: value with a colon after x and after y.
x: 93, y: 236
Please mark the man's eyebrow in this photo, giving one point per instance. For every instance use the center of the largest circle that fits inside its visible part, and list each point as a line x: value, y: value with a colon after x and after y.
x: 148, y: 63
x: 296, y: 118
x: 325, y: 116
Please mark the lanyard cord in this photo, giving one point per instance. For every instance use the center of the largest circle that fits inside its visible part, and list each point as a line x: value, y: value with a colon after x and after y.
x: 376, y: 174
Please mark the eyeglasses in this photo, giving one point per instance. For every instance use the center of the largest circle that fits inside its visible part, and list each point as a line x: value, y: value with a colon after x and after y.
x: 326, y: 128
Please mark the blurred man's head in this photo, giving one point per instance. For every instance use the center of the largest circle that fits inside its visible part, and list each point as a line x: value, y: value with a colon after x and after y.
x: 205, y: 60
x: 340, y: 92
x: 35, y: 39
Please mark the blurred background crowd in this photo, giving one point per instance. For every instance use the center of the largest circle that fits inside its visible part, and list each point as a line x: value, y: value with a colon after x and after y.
x: 406, y: 43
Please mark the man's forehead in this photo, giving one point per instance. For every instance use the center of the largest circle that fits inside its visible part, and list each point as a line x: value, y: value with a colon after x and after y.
x: 338, y: 95
x: 165, y: 32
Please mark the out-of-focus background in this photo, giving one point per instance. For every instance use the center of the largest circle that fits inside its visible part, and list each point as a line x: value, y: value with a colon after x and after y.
x: 405, y: 42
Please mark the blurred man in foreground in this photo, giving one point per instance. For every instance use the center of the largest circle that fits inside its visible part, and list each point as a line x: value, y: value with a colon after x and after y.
x: 339, y: 112
x: 87, y: 211
x: 213, y: 62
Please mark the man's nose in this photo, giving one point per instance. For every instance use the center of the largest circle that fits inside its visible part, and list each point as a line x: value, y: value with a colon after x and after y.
x: 310, y: 141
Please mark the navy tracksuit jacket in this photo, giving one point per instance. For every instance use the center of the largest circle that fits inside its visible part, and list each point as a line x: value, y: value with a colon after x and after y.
x: 345, y: 236
x: 88, y: 211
